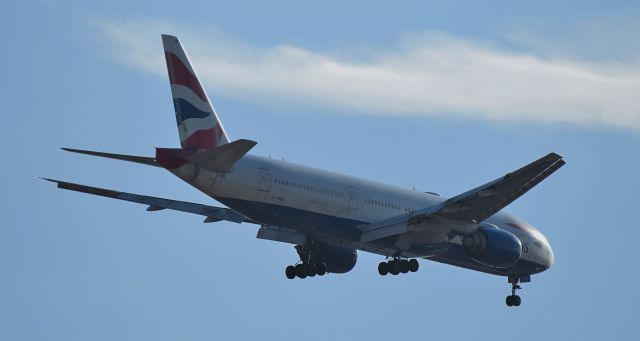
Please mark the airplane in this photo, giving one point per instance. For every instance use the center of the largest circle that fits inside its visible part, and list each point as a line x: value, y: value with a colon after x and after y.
x: 327, y: 216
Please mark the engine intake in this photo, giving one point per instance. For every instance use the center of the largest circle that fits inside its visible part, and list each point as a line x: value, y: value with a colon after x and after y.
x: 493, y: 247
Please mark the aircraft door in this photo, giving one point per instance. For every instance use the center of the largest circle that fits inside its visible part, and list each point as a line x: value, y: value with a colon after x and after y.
x: 264, y: 179
x: 352, y: 198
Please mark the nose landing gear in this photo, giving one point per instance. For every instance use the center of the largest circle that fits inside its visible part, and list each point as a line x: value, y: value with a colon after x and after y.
x: 514, y: 300
x: 397, y: 265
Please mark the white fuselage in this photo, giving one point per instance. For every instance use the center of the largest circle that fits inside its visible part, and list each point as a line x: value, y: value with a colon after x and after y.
x: 332, y: 207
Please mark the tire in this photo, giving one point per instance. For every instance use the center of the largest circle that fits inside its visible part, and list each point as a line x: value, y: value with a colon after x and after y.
x: 311, y: 270
x: 414, y: 265
x: 321, y: 269
x: 509, y: 301
x: 394, y: 267
x: 383, y: 269
x: 290, y: 272
x: 516, y: 301
x: 404, y: 266
x: 301, y: 271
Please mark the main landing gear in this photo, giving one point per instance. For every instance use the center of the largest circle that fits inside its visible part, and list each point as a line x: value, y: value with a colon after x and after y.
x: 304, y: 270
x: 309, y: 264
x: 397, y: 265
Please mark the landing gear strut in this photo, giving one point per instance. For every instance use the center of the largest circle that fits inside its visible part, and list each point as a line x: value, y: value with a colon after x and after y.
x: 308, y: 266
x: 397, y: 265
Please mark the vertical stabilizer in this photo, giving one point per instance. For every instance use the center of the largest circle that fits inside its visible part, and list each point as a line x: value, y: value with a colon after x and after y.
x: 198, y: 124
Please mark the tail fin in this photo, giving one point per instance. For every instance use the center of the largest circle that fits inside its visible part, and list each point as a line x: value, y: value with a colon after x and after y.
x: 198, y: 124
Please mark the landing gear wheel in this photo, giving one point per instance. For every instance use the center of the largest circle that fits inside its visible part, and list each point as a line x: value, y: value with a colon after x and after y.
x: 290, y: 272
x: 404, y: 266
x: 321, y: 269
x: 516, y: 300
x: 394, y: 267
x: 383, y: 269
x: 513, y: 301
x: 311, y: 270
x: 413, y: 265
x: 301, y: 272
x: 509, y: 301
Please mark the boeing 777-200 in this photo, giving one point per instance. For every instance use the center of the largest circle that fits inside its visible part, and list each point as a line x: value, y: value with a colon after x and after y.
x: 329, y: 216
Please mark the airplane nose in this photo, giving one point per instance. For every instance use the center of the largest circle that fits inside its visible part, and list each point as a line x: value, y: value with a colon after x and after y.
x: 548, y: 257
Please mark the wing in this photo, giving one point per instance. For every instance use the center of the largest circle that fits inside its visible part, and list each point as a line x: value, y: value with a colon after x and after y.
x: 475, y: 205
x: 482, y: 202
x: 212, y: 213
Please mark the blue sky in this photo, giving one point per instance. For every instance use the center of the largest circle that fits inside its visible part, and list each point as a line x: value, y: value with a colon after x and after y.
x: 514, y: 82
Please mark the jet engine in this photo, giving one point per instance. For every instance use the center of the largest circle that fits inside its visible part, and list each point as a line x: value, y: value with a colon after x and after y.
x: 338, y: 259
x: 493, y: 247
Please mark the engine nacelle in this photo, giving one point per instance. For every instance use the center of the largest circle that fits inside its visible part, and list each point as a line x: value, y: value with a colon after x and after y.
x: 337, y: 258
x: 493, y: 247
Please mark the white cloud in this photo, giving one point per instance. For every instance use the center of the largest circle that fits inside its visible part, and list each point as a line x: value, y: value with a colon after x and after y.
x: 429, y: 74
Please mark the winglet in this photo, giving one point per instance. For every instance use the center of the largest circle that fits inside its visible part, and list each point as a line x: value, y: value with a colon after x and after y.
x: 47, y: 179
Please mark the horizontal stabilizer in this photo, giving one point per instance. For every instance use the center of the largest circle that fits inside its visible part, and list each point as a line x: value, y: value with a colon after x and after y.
x: 155, y: 204
x: 131, y: 158
x: 222, y: 158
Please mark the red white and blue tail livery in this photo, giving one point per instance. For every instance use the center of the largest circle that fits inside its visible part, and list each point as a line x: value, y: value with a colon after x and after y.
x: 198, y: 124
x: 327, y: 216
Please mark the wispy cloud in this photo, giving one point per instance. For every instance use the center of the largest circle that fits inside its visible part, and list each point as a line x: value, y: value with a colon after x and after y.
x: 428, y: 74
